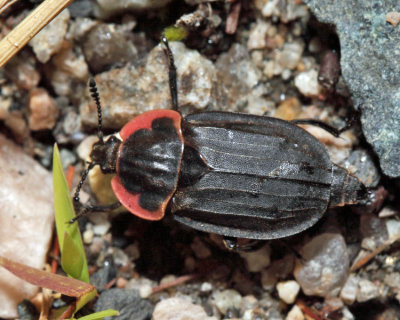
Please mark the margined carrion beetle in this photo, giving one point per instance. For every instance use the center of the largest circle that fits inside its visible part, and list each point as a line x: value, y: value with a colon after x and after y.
x: 237, y: 175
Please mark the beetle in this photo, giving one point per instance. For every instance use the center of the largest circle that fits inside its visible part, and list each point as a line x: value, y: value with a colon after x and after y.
x: 233, y: 174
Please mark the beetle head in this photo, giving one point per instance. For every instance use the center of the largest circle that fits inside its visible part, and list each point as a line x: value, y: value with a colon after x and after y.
x: 105, y: 154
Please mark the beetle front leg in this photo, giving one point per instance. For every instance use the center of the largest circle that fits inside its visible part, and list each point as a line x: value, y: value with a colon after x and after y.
x: 232, y: 244
x: 85, y: 209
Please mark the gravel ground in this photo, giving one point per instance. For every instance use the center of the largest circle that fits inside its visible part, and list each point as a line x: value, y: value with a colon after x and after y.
x: 261, y: 57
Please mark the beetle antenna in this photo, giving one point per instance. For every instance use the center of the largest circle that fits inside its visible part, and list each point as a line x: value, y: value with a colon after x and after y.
x: 173, y: 86
x: 96, y: 97
x: 76, y: 199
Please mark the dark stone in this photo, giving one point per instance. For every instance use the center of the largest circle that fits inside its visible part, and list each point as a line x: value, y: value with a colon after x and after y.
x: 26, y: 310
x: 81, y: 8
x: 106, y: 46
x: 370, y: 55
x: 103, y: 276
x: 127, y: 302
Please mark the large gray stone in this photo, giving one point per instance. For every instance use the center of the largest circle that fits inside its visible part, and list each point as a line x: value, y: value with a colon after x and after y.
x: 370, y: 62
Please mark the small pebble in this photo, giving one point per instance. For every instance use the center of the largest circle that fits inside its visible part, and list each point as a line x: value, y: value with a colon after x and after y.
x: 325, y: 266
x: 106, y: 45
x: 88, y: 236
x: 288, y: 109
x: 200, y: 249
x: 106, y: 8
x: 288, y: 291
x: 307, y: 83
x: 43, y: 110
x: 145, y: 291
x: 121, y: 283
x: 271, y: 8
x: 206, y: 287
x: 290, y: 55
x: 392, y: 280
x: 393, y: 18
x: 179, y: 308
x: 295, y: 314
x: 388, y: 212
x: 50, y: 39
x: 258, y: 35
x: 349, y: 291
x: 367, y: 290
x: 227, y: 299
x: 257, y: 260
x: 101, y: 229
x: 393, y: 228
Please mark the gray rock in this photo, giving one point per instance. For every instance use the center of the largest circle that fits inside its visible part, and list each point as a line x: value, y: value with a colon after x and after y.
x: 325, y: 266
x: 131, y: 90
x: 370, y: 51
x: 127, y: 302
x: 81, y: 8
x: 103, y: 276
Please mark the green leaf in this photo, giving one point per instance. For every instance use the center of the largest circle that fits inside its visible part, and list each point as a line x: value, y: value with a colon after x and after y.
x: 100, y: 315
x: 175, y: 33
x: 68, y: 258
x: 72, y: 252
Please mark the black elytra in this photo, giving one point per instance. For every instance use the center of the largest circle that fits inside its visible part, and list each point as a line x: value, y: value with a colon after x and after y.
x: 238, y: 175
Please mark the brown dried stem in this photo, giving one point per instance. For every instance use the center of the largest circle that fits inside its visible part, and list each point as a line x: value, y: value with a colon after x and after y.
x: 29, y: 27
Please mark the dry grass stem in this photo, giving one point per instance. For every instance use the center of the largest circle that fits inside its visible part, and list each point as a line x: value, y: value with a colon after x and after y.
x: 29, y: 27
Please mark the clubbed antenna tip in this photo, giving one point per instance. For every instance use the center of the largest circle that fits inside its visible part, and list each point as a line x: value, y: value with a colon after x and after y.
x: 96, y: 97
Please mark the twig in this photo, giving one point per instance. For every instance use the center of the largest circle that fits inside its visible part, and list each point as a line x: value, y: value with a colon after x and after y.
x: 364, y: 260
x: 4, y: 5
x: 29, y: 27
x: 174, y: 283
x: 306, y: 310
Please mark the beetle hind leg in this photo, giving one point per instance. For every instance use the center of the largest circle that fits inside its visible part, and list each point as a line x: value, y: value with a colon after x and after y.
x: 232, y: 244
x: 332, y: 130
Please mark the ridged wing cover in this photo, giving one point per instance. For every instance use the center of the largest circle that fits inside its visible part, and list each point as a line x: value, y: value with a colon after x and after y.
x: 267, y: 178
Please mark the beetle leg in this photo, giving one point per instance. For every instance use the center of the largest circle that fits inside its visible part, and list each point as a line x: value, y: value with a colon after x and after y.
x: 332, y: 130
x: 173, y: 86
x: 232, y: 244
x: 88, y: 208
x: 84, y: 209
x: 296, y: 253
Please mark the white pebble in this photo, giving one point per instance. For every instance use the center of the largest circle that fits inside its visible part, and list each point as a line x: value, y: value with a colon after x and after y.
x: 227, y: 299
x: 101, y: 229
x: 145, y: 291
x: 288, y: 291
x: 206, y: 287
x: 393, y: 228
x: 88, y: 236
x: 295, y: 314
x: 349, y: 290
x: 307, y: 83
